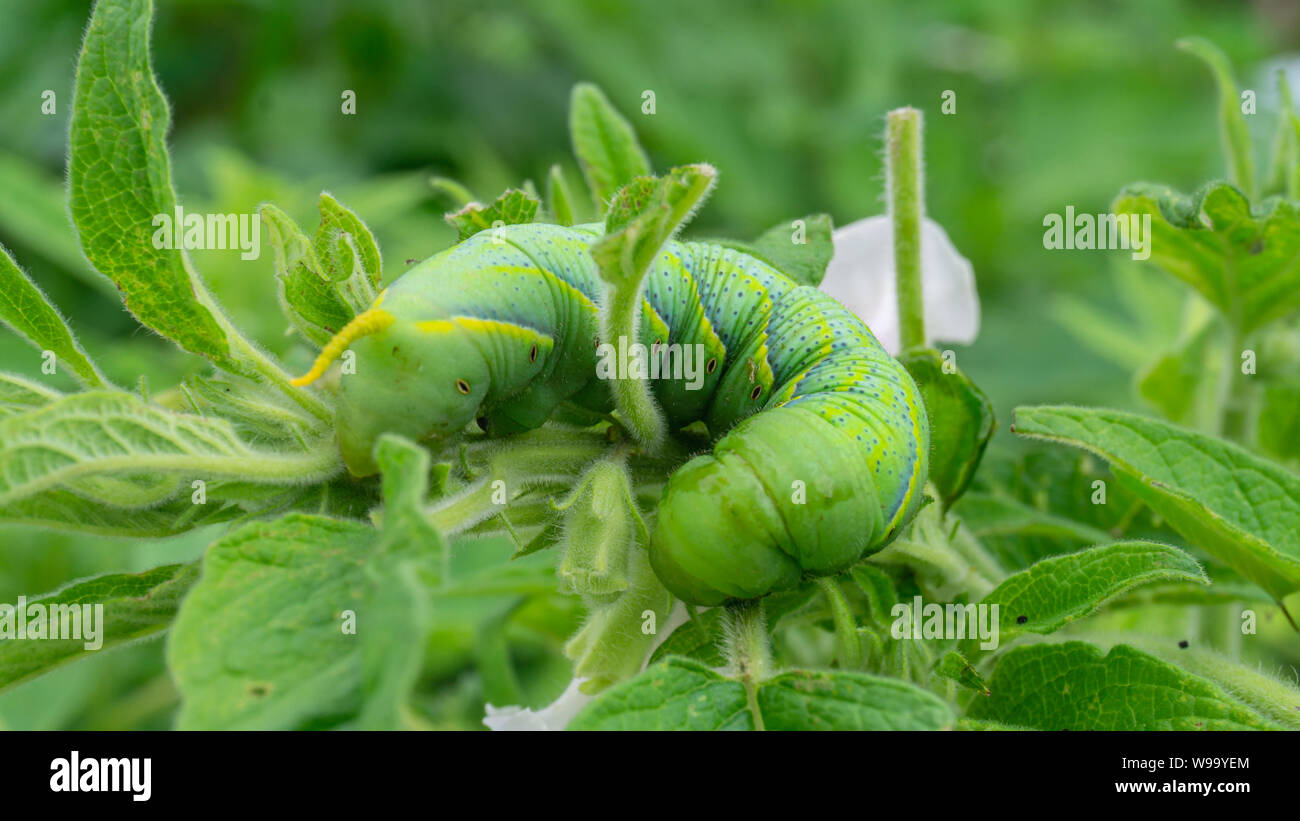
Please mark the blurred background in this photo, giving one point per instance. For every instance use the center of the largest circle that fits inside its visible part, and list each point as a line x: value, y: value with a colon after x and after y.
x: 1057, y: 104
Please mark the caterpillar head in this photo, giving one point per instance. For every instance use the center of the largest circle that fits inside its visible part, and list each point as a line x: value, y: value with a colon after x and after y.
x: 423, y: 382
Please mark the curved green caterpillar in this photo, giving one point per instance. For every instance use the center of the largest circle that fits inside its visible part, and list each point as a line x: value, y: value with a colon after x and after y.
x: 826, y: 438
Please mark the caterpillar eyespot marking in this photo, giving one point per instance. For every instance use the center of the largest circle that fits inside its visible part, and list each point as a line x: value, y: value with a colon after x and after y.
x: 839, y: 407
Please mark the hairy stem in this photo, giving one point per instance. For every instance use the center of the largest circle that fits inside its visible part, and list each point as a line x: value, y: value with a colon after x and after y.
x: 1225, y: 418
x: 747, y: 649
x: 849, y: 654
x: 273, y: 373
x: 635, y: 403
x: 904, y: 182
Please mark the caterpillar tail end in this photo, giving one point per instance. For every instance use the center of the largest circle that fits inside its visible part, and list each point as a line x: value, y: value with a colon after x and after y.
x: 317, y: 370
x: 363, y: 324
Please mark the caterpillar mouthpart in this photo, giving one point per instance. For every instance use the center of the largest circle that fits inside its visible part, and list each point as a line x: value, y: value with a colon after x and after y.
x: 363, y: 324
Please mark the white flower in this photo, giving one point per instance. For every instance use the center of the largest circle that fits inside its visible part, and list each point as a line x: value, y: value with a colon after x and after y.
x: 554, y: 716
x: 558, y: 714
x: 861, y: 276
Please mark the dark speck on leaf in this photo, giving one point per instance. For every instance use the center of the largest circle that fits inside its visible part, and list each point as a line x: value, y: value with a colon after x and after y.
x: 1256, y: 246
x: 1183, y: 644
x: 1021, y: 619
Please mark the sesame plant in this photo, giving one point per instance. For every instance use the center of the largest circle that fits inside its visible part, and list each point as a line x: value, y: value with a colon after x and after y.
x: 363, y: 571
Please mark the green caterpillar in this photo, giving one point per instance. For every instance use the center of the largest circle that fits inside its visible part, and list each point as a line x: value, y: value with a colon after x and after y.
x: 503, y: 328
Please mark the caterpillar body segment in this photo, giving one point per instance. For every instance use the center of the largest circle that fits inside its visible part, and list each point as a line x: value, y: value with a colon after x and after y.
x: 823, y: 441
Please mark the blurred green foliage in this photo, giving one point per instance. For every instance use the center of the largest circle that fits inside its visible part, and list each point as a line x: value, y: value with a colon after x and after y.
x: 1058, y: 104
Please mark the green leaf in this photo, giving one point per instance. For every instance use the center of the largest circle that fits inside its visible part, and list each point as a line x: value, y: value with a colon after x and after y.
x: 684, y: 694
x: 135, y: 605
x: 260, y: 642
x: 312, y: 303
x: 961, y: 420
x: 84, y: 435
x: 29, y: 312
x: 604, y: 143
x: 1237, y: 507
x: 987, y: 515
x: 19, y: 395
x: 644, y: 216
x: 601, y: 527
x: 614, y: 642
x: 1232, y: 122
x: 1062, y: 589
x: 514, y: 207
x: 809, y: 700
x: 35, y: 207
x: 1180, y: 383
x: 405, y: 467
x: 805, y: 262
x: 258, y: 412
x: 119, y: 178
x: 698, y: 638
x: 801, y: 249
x: 978, y: 725
x: 955, y: 667
x: 344, y: 244
x: 1245, y: 261
x: 397, y: 618
x: 1044, y: 500
x: 1277, y: 424
x: 64, y: 510
x: 335, y: 617
x: 394, y: 625
x: 675, y: 694
x: 1276, y: 700
x: 559, y: 199
x: 1073, y: 686
x: 629, y: 201
x: 549, y: 536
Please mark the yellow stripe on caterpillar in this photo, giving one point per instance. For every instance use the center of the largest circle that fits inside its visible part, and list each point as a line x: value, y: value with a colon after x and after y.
x: 470, y: 323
